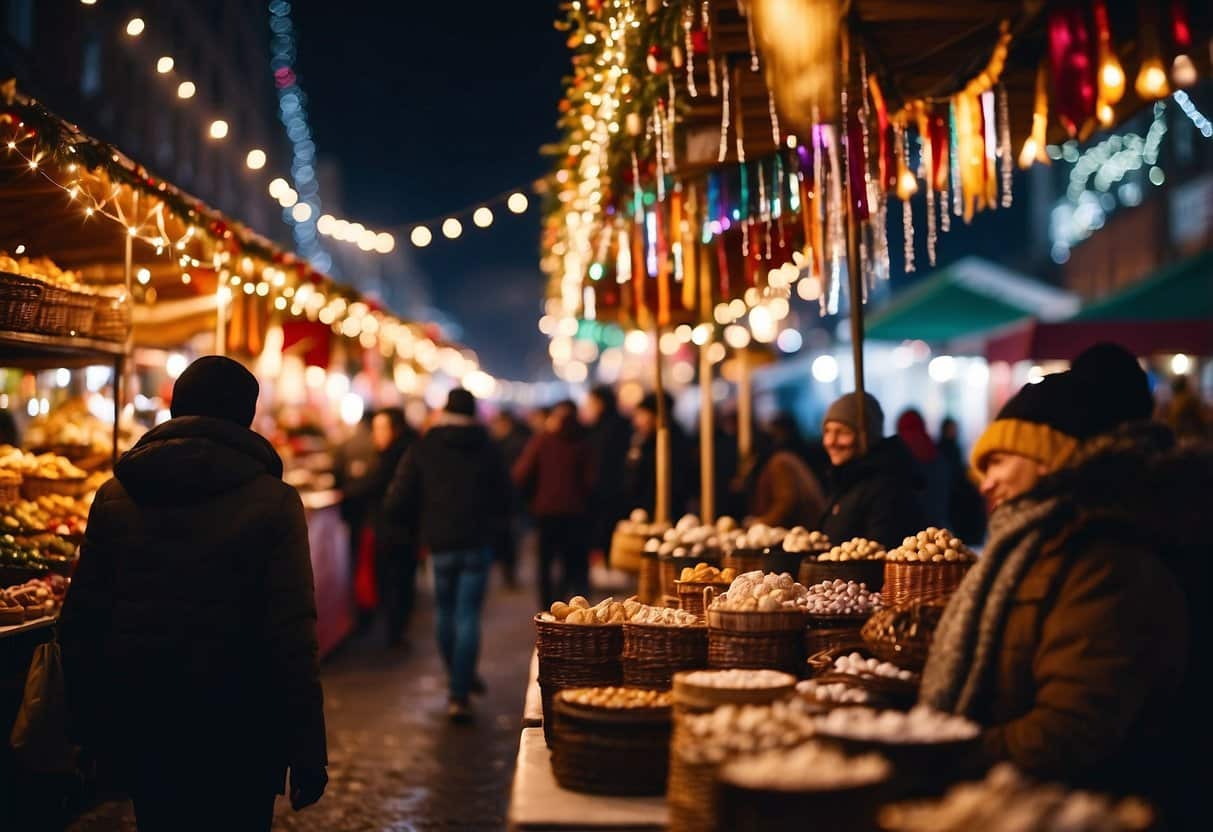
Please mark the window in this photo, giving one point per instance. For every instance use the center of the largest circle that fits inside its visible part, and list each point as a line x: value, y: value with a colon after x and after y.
x: 90, y: 67
x: 21, y: 21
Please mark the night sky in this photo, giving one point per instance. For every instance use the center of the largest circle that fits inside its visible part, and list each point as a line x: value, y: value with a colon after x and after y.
x: 429, y: 107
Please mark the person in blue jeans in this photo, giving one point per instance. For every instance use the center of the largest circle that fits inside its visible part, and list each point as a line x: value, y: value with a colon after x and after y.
x: 452, y: 485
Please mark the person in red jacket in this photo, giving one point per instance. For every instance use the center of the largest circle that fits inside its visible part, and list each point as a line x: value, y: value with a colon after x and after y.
x: 556, y: 469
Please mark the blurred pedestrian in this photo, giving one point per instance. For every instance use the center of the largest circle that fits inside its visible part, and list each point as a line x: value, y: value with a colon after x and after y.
x: 511, y: 438
x: 932, y: 468
x: 395, y: 537
x: 454, y: 483
x: 872, y: 494
x: 1185, y: 412
x: 641, y: 474
x: 189, y: 632
x: 782, y: 489
x: 966, y: 508
x: 609, y: 435
x: 556, y: 469
x: 354, y: 470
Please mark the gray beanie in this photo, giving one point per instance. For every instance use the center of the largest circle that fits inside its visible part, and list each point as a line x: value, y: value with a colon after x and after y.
x: 846, y: 410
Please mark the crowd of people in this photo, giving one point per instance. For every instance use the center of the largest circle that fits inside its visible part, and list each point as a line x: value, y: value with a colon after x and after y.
x: 1071, y: 640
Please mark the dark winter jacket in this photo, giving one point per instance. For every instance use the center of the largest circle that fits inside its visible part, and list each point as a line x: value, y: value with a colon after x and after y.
x: 1093, y: 679
x: 189, y: 631
x: 875, y: 496
x: 390, y: 529
x: 557, y: 470
x: 640, y: 480
x: 453, y: 485
x: 609, y: 441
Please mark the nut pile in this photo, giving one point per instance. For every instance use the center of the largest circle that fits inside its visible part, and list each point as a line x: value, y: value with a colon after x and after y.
x: 1007, y: 801
x: 932, y: 546
x: 919, y: 725
x: 801, y: 539
x: 733, y: 729
x: 837, y: 692
x: 610, y: 611
x: 703, y: 573
x: 737, y: 679
x: 761, y: 536
x: 839, y: 597
x: 756, y: 592
x: 690, y: 539
x: 805, y: 768
x: 638, y: 523
x: 855, y: 664
x: 857, y: 548
x: 616, y: 698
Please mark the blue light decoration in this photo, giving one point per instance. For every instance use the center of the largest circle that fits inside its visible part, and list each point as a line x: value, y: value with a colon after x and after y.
x: 292, y: 110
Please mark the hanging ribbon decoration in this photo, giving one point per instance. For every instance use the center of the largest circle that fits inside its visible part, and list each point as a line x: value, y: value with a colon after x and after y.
x: 1071, y: 61
x: 1034, y: 145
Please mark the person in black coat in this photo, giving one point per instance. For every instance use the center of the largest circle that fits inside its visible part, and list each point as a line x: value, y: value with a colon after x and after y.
x: 189, y: 632
x: 640, y: 478
x: 453, y: 485
x: 395, y: 542
x: 874, y: 495
x: 609, y: 435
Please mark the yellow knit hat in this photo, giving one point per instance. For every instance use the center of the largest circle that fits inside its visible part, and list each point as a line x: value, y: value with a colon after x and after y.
x: 1035, y: 440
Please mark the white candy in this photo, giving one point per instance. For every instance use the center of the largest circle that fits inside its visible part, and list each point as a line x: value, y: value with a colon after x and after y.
x: 758, y: 592
x: 807, y: 767
x: 919, y: 725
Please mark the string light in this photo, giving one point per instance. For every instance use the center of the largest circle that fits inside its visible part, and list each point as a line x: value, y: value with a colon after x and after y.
x: 452, y: 228
x: 302, y: 212
x: 135, y: 27
x: 483, y: 217
x: 165, y: 65
x: 517, y: 202
x: 218, y: 129
x: 421, y: 236
x: 186, y: 89
x: 255, y: 159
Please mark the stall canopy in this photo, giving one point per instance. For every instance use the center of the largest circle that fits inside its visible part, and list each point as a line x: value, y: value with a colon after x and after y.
x: 1170, y: 311
x: 969, y: 297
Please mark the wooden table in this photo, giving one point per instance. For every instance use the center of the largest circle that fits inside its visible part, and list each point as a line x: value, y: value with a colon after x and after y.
x: 532, y: 709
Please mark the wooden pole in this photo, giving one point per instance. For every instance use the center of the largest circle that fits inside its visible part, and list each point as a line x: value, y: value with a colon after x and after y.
x: 128, y: 277
x: 745, y: 410
x: 854, y: 263
x: 661, y: 509
x: 707, y: 439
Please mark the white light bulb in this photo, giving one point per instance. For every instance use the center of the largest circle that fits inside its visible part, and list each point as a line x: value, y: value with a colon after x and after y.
x: 302, y: 212
x: 278, y: 187
x: 135, y: 27
x: 483, y: 217
x: 255, y: 159
x: 452, y: 228
x: 421, y: 236
x: 165, y: 65
x: 186, y: 89
x: 384, y: 242
x: 219, y: 129
x: 517, y: 202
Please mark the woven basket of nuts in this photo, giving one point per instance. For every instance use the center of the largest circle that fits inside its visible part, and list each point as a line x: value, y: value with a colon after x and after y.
x: 926, y: 567
x: 611, y: 740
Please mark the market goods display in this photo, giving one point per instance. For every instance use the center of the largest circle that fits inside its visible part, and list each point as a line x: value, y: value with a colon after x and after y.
x: 693, y: 581
x: 611, y: 740
x: 758, y: 592
x: 738, y: 679
x: 744, y: 550
x: 25, y: 558
x: 841, y: 598
x: 702, y: 742
x: 856, y: 679
x: 73, y: 431
x: 705, y: 573
x: 902, y: 635
x: 690, y: 541
x: 1007, y: 801
x: 56, y: 513
x: 857, y: 548
x: 927, y: 566
x: 919, y: 726
x: 840, y: 693
x: 628, y: 539
x: 705, y: 690
x: 37, y: 296
x: 857, y: 664
x: 808, y: 786
x: 577, y: 610
x: 43, y: 474
x: 802, y: 540
x: 34, y: 599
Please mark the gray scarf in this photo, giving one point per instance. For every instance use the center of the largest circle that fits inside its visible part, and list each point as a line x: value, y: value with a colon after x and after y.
x: 966, y: 642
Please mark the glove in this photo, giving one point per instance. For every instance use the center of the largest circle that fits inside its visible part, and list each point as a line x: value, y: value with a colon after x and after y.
x: 307, y: 785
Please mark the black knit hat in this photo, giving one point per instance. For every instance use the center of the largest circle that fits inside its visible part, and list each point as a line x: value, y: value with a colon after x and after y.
x: 217, y: 387
x: 1112, y: 387
x: 1042, y: 422
x: 461, y: 402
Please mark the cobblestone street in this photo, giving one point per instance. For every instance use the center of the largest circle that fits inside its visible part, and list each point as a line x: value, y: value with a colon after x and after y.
x: 396, y: 763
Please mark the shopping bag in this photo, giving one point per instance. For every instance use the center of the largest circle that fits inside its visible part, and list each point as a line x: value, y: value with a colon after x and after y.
x: 366, y: 585
x: 39, y: 738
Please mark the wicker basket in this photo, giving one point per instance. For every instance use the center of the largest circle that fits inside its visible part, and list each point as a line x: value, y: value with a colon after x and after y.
x: 668, y: 569
x: 10, y: 491
x: 756, y: 640
x: 648, y: 590
x: 599, y: 751
x: 902, y: 635
x: 53, y: 311
x: 34, y: 487
x: 853, y: 809
x: 576, y: 655
x: 743, y: 560
x: 828, y: 632
x: 698, y: 698
x: 20, y: 300
x: 111, y: 318
x: 691, y: 595
x: 81, y: 311
x: 691, y: 794
x: 870, y: 572
x: 626, y: 551
x: 919, y: 769
x: 653, y: 653
x: 910, y: 582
